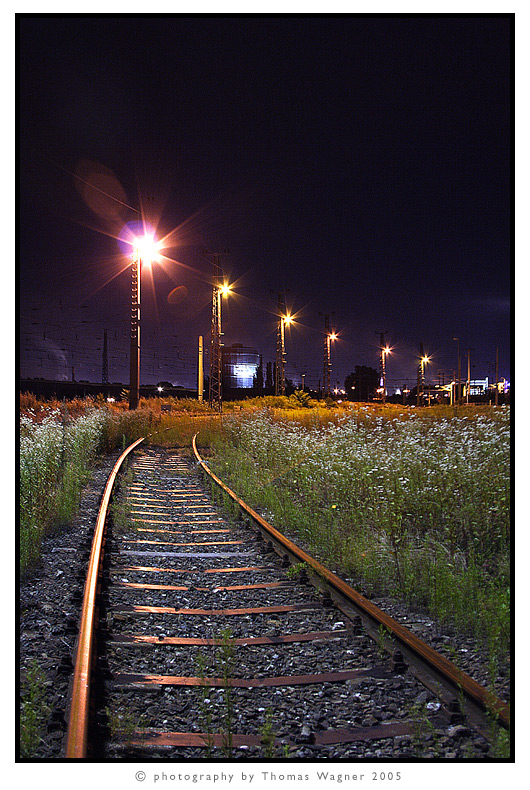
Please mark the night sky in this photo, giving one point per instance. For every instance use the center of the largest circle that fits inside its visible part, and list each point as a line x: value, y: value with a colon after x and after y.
x: 359, y: 165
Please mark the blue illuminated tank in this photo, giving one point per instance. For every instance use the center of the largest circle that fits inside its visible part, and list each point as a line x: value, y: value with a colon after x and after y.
x: 240, y: 366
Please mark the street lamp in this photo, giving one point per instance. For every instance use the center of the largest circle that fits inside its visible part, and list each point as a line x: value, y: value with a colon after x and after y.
x: 285, y: 320
x: 327, y: 362
x: 215, y: 390
x: 145, y: 250
x: 424, y: 359
x: 382, y: 383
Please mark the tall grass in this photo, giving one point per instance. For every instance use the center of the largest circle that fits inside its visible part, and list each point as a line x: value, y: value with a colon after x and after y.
x: 409, y: 504
x: 59, y: 444
x: 60, y: 441
x: 55, y: 457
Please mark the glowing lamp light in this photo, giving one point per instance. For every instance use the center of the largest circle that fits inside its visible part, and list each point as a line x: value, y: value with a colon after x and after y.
x: 146, y: 248
x: 287, y: 319
x: 333, y: 336
x: 224, y: 289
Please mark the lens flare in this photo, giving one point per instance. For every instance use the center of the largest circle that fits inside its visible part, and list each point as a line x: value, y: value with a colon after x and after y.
x: 146, y: 248
x: 139, y: 238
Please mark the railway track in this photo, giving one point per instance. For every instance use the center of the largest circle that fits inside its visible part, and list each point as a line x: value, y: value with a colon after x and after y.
x: 208, y: 635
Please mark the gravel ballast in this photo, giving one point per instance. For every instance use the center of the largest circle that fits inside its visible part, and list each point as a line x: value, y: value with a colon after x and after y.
x: 50, y: 601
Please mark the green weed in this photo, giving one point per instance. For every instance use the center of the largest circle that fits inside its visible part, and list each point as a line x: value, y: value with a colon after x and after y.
x: 295, y: 570
x: 219, y: 665
x: 124, y: 724
x: 34, y: 711
x: 415, y: 505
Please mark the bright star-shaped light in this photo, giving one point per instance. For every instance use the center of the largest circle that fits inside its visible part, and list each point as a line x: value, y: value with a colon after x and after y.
x: 146, y: 248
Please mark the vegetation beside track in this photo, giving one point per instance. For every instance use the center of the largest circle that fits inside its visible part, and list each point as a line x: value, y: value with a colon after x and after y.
x: 60, y: 441
x: 413, y: 503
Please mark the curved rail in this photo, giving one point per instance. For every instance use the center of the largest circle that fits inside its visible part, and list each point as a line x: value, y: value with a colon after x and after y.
x: 76, y: 743
x: 447, y: 674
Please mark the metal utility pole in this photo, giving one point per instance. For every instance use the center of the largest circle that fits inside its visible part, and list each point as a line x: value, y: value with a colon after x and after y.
x: 279, y: 383
x: 382, y: 366
x: 458, y: 382
x: 134, y: 378
x: 327, y: 359
x: 326, y: 379
x: 200, y: 371
x: 269, y: 376
x: 468, y: 384
x: 421, y: 377
x: 215, y: 395
x: 259, y: 376
x: 497, y: 376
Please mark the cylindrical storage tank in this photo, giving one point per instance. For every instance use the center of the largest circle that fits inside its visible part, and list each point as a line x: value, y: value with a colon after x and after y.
x: 240, y: 366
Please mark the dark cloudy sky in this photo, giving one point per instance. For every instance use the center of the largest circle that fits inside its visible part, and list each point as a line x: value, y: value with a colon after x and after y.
x: 359, y: 164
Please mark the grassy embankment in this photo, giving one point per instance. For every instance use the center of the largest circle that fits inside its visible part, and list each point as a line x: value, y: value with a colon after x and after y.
x: 414, y: 504
x: 405, y: 502
x: 60, y: 443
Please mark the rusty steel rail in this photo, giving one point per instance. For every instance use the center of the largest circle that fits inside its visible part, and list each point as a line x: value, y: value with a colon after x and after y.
x: 430, y: 667
x: 78, y: 720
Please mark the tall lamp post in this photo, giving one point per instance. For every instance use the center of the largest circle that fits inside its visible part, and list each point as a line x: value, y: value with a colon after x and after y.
x: 421, y: 376
x: 329, y: 336
x: 384, y: 349
x: 215, y: 398
x: 145, y: 250
x: 327, y: 362
x: 424, y: 361
x: 215, y: 391
x: 284, y: 321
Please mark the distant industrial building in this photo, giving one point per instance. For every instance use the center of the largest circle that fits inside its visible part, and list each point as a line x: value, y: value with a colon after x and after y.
x: 478, y: 386
x: 239, y: 367
x: 483, y: 386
